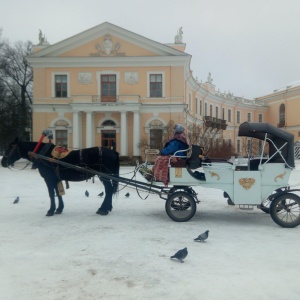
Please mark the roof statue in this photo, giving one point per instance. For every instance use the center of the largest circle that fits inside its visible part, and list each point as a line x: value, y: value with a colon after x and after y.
x: 209, y: 79
x: 178, y: 36
x: 42, y: 39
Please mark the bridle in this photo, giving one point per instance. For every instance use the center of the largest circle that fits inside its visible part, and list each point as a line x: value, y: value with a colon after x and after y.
x: 14, y: 148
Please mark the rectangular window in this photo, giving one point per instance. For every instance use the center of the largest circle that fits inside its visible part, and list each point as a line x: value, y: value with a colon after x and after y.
x: 249, y: 117
x: 108, y: 139
x: 156, y: 138
x: 156, y: 85
x: 108, y: 88
x: 229, y: 115
x: 223, y: 113
x: 217, y: 112
x: 197, y: 108
x: 211, y: 110
x: 200, y: 107
x: 238, y: 117
x: 205, y: 109
x: 238, y: 146
x: 190, y: 102
x: 61, y: 138
x: 61, y: 86
x: 260, y: 118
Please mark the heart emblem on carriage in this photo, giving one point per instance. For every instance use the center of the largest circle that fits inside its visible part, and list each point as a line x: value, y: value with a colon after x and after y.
x: 247, y: 183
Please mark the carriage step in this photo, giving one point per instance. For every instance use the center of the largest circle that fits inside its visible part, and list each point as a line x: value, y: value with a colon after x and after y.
x: 246, y: 207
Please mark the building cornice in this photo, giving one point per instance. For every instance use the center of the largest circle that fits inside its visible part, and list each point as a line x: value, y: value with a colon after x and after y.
x: 44, y: 62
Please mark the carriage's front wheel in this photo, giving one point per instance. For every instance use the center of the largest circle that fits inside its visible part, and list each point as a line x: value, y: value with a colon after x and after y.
x: 180, y: 206
x: 285, y: 210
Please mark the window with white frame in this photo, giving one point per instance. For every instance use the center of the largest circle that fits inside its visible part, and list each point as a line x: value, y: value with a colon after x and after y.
x: 229, y: 115
x: 238, y: 117
x: 223, y: 113
x: 217, y: 112
x: 197, y: 105
x: 60, y: 87
x: 260, y: 118
x: 205, y: 109
x: 108, y: 87
x: 200, y: 107
x: 238, y: 146
x: 155, y: 84
x: 190, y: 102
x: 61, y: 138
x: 210, y: 110
x: 249, y: 117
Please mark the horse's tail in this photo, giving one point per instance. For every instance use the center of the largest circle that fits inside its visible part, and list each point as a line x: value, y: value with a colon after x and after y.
x: 116, y: 173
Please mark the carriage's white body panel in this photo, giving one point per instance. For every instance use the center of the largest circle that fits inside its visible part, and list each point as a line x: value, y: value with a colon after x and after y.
x: 242, y: 186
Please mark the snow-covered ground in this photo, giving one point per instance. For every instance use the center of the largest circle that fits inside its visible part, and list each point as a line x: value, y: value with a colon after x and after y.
x: 126, y: 255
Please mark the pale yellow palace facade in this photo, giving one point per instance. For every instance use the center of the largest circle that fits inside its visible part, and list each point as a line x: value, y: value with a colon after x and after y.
x: 110, y: 87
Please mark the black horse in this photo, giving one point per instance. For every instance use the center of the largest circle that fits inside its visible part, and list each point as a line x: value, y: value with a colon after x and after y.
x: 99, y: 159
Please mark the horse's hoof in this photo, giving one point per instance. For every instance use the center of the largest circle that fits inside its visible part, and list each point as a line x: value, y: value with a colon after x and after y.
x: 49, y: 214
x: 102, y: 212
x: 58, y: 212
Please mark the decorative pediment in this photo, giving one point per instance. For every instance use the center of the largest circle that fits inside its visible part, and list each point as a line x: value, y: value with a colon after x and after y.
x: 107, y: 40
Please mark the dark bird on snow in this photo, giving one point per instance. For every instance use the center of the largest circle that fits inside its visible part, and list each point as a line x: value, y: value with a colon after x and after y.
x: 181, y: 254
x: 202, y: 237
x: 16, y: 200
x: 87, y: 193
x: 101, y: 194
x: 127, y: 195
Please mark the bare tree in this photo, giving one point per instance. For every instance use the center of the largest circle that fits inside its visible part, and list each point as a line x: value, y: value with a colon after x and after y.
x: 16, y: 88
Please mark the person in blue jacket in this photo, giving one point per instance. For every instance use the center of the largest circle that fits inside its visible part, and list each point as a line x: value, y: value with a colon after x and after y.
x: 177, y: 142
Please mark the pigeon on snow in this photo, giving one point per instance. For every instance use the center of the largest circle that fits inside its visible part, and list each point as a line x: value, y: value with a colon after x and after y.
x: 101, y: 194
x: 181, y: 254
x: 127, y: 195
x: 87, y: 193
x: 16, y: 200
x: 202, y: 237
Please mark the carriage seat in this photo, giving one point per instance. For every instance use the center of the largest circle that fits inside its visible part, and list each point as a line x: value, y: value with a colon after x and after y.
x: 195, y: 160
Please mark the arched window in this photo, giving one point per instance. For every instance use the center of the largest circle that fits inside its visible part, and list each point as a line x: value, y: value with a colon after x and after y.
x: 281, y: 115
x: 108, y: 123
x: 156, y: 134
x: 108, y: 137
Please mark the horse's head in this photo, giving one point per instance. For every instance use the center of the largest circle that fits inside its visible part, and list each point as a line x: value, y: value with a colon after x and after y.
x: 11, y: 154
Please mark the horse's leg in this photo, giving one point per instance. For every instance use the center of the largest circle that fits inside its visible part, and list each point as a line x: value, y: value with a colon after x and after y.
x: 106, y: 206
x: 61, y: 206
x: 51, y: 188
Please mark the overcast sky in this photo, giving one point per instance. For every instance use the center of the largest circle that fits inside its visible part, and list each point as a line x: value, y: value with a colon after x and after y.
x: 251, y: 47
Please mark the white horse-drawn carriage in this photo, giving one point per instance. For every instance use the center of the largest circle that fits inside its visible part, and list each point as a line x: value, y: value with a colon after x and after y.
x: 261, y: 181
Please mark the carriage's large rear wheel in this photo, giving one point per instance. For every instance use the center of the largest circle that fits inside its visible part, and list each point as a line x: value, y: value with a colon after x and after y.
x: 180, y: 206
x: 285, y: 210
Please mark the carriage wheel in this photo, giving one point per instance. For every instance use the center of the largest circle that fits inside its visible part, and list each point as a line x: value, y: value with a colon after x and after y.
x: 180, y: 206
x: 285, y: 210
x: 265, y: 205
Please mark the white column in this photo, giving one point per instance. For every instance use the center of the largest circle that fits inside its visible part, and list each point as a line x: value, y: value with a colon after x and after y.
x: 123, y: 134
x: 76, y: 129
x: 89, y: 130
x: 136, y: 133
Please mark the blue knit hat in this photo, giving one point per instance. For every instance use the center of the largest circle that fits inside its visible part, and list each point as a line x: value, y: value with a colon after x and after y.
x: 179, y: 128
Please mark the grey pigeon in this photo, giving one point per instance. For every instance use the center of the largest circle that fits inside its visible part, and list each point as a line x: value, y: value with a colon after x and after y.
x: 127, y: 195
x: 101, y: 194
x: 202, y: 237
x: 87, y: 193
x: 181, y: 254
x: 16, y: 200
